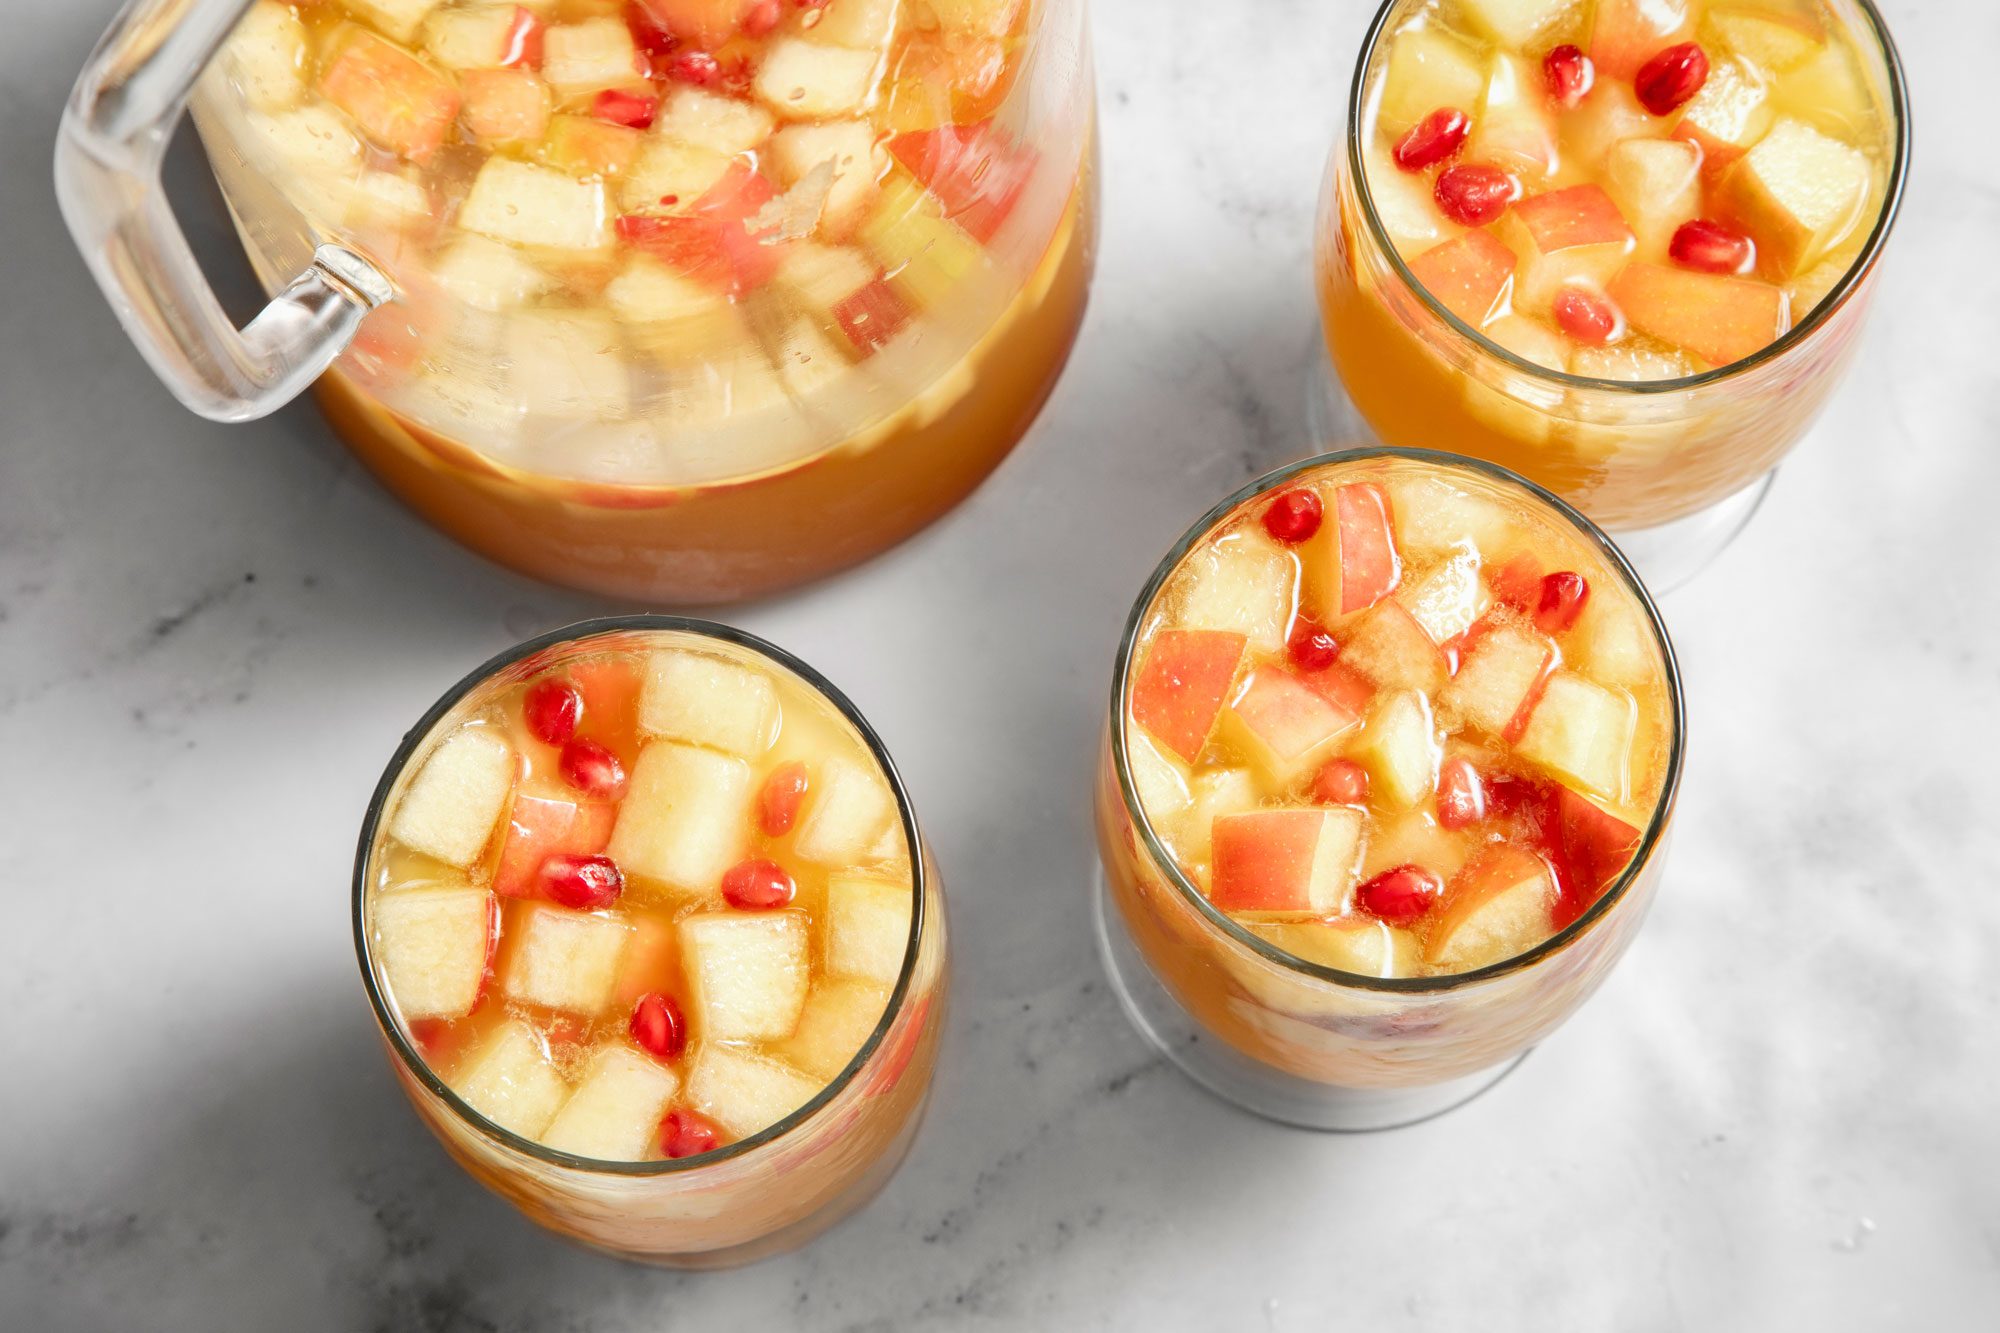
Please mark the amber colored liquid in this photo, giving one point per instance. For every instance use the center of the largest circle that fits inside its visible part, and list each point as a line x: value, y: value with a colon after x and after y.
x: 745, y: 538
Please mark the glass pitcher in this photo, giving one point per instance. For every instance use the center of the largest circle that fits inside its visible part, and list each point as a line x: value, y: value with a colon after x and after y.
x: 675, y: 300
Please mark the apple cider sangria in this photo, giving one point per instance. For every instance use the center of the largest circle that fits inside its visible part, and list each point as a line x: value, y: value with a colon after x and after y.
x: 1394, y: 742
x: 654, y: 945
x: 1620, y: 246
x: 695, y: 299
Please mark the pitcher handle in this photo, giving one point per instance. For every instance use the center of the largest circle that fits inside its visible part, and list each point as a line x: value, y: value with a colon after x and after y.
x: 109, y: 149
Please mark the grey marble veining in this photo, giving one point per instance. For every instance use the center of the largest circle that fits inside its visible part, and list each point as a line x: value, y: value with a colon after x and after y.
x: 1783, y: 1111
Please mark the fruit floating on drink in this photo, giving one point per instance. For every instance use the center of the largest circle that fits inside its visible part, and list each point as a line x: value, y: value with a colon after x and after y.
x: 696, y: 297
x: 1398, y: 741
x: 643, y: 898
x: 1613, y: 197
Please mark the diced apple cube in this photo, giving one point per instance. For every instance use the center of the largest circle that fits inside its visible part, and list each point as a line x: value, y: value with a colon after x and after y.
x: 488, y: 275
x: 1436, y: 517
x: 1799, y: 193
x: 1514, y: 23
x: 849, y: 145
x: 450, y: 807
x: 584, y: 146
x: 1515, y: 129
x: 1399, y: 747
x: 1469, y: 275
x: 867, y: 928
x: 1428, y: 68
x: 312, y: 144
x: 1719, y: 318
x: 1388, y: 646
x: 1816, y: 282
x: 1607, y: 117
x: 568, y: 363
x: 667, y: 169
x: 648, y: 292
x: 589, y: 56
x: 1285, y: 724
x: 1353, y: 563
x: 504, y: 106
x: 1630, y: 362
x: 1496, y: 908
x: 748, y: 971
x: 614, y: 1114
x: 746, y: 1093
x: 702, y: 24
x: 539, y: 827
x: 400, y: 103
x: 976, y: 18
x: 1831, y: 92
x: 703, y: 700
x: 1242, y: 584
x: 477, y: 37
x: 1625, y: 34
x: 806, y: 80
x: 926, y: 256
x: 1413, y: 838
x: 1445, y: 601
x: 1535, y: 343
x: 1212, y: 794
x: 807, y: 357
x: 1774, y: 38
x: 1286, y: 862
x: 1581, y: 732
x: 864, y: 24
x: 706, y: 120
x: 822, y: 277
x: 534, y: 205
x: 1573, y: 235
x: 1512, y: 404
x: 846, y: 815
x: 398, y: 18
x: 267, y: 56
x: 1358, y: 944
x: 433, y: 945
x: 1730, y: 113
x: 1178, y: 692
x: 838, y: 1019
x: 1656, y: 184
x: 1614, y: 643
x: 563, y: 959
x: 1159, y: 779
x: 1500, y: 674
x: 386, y: 199
x: 511, y: 1081
x: 1403, y: 204
x: 686, y: 816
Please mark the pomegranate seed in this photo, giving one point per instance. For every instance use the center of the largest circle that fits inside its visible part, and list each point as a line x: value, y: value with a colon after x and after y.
x: 696, y: 67
x: 688, y: 1134
x: 778, y: 802
x: 1712, y: 248
x: 1433, y: 139
x: 586, y: 883
x: 1670, y: 78
x: 1569, y: 74
x: 1340, y: 782
x: 1294, y: 516
x: 1586, y: 316
x: 658, y: 1027
x: 763, y: 17
x: 1473, y: 195
x: 757, y: 885
x: 622, y: 108
x: 592, y: 769
x: 1461, y: 795
x: 1311, y: 647
x: 1400, y: 896
x: 552, y: 709
x: 1563, y: 596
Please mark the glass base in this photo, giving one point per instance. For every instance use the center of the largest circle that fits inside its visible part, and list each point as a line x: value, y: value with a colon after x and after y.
x: 1256, y: 1087
x: 1670, y: 555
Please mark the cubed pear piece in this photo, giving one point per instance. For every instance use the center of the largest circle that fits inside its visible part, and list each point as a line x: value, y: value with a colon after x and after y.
x: 1388, y: 646
x: 1358, y: 944
x: 806, y: 80
x: 568, y: 363
x: 1499, y: 906
x: 1500, y: 674
x: 387, y: 199
x: 846, y: 815
x: 839, y: 1017
x: 1399, y: 748
x: 976, y: 18
x: 1799, y: 193
x: 746, y: 1093
x: 511, y: 1081
x: 266, y: 56
x: 1447, y: 599
x: 807, y: 357
x: 614, y: 1114
x: 1428, y: 68
x: 1656, y: 184
x: 312, y: 143
x: 1160, y: 779
x: 706, y: 120
x: 1286, y: 862
x: 749, y: 973
x: 1614, y: 643
x: 1211, y: 795
x: 533, y: 205
x: 1630, y: 362
x: 822, y: 277
x: 1572, y: 235
x: 1413, y: 838
x: 1581, y: 732
x: 1514, y: 23
x: 1816, y: 282
x: 1719, y: 318
x: 1403, y: 203
x: 1515, y: 129
x: 1625, y: 34
x: 863, y: 24
x: 1831, y: 91
x: 433, y: 944
x: 648, y: 292
x: 1436, y: 517
x: 564, y: 959
x: 867, y: 928
x: 1286, y: 724
x: 504, y: 106
x: 479, y: 36
x: 1606, y: 118
x: 1470, y: 274
x: 488, y: 275
x: 927, y: 257
x: 849, y: 145
x: 669, y: 169
x: 704, y: 700
x: 1242, y: 584
x: 586, y: 57
x: 1515, y: 406
x: 685, y: 818
x: 1774, y: 38
x: 450, y: 807
x: 1730, y: 113
x: 398, y: 18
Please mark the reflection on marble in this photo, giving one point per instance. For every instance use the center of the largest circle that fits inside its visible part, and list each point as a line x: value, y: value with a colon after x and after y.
x: 1784, y: 1110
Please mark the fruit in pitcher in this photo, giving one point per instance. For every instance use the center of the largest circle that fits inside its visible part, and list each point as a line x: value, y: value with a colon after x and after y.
x: 400, y: 103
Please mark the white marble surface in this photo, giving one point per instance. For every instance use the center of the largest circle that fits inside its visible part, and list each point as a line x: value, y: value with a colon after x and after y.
x: 1782, y: 1112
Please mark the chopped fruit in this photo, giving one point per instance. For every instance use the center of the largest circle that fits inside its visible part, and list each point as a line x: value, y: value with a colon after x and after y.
x: 805, y: 80
x: 1712, y: 248
x: 452, y: 805
x: 511, y: 1081
x: 748, y: 974
x: 1389, y: 647
x: 1299, y: 861
x: 744, y: 1093
x: 1473, y: 195
x: 1362, y: 945
x: 542, y: 827
x: 1310, y: 647
x: 401, y: 104
x: 758, y: 885
x: 1432, y: 139
x: 708, y: 120
x: 586, y: 883
x: 487, y: 275
x: 926, y: 256
x: 838, y: 1019
x: 1561, y: 602
x: 586, y: 146
x: 563, y: 959
x: 1427, y: 69
x: 974, y: 171
x: 1719, y: 319
x: 1294, y: 516
x: 704, y: 700
x: 848, y: 149
x: 1367, y: 567
x: 1340, y: 782
x: 1581, y: 732
x: 683, y: 820
x: 623, y: 108
x: 705, y: 23
x: 1400, y: 896
x: 434, y: 945
x: 1501, y: 675
x: 1514, y: 23
x: 1586, y: 315
x: 1776, y: 39
x: 1211, y: 795
x: 1435, y: 517
x: 1730, y: 113
x: 1799, y: 192
x: 552, y: 709
x: 1568, y: 74
x: 1399, y: 747
x: 1613, y: 643
x: 1498, y: 906
x: 1244, y: 586
x: 867, y: 928
x: 614, y: 1114
x: 1518, y: 583
x: 871, y: 316
x: 659, y: 1027
x: 852, y: 812
x: 484, y: 37
x: 267, y: 56
x: 688, y: 1134
x: 1567, y: 238
x: 1625, y: 34
x: 400, y: 19
x: 778, y: 800
x: 1286, y: 724
x: 1515, y: 129
x: 1469, y: 275
x: 1656, y: 184
x: 583, y: 58
x: 1160, y: 780
x: 534, y: 205
x: 1592, y: 847
x: 592, y: 769
x: 1461, y: 795
x: 858, y: 23
x: 1447, y: 600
